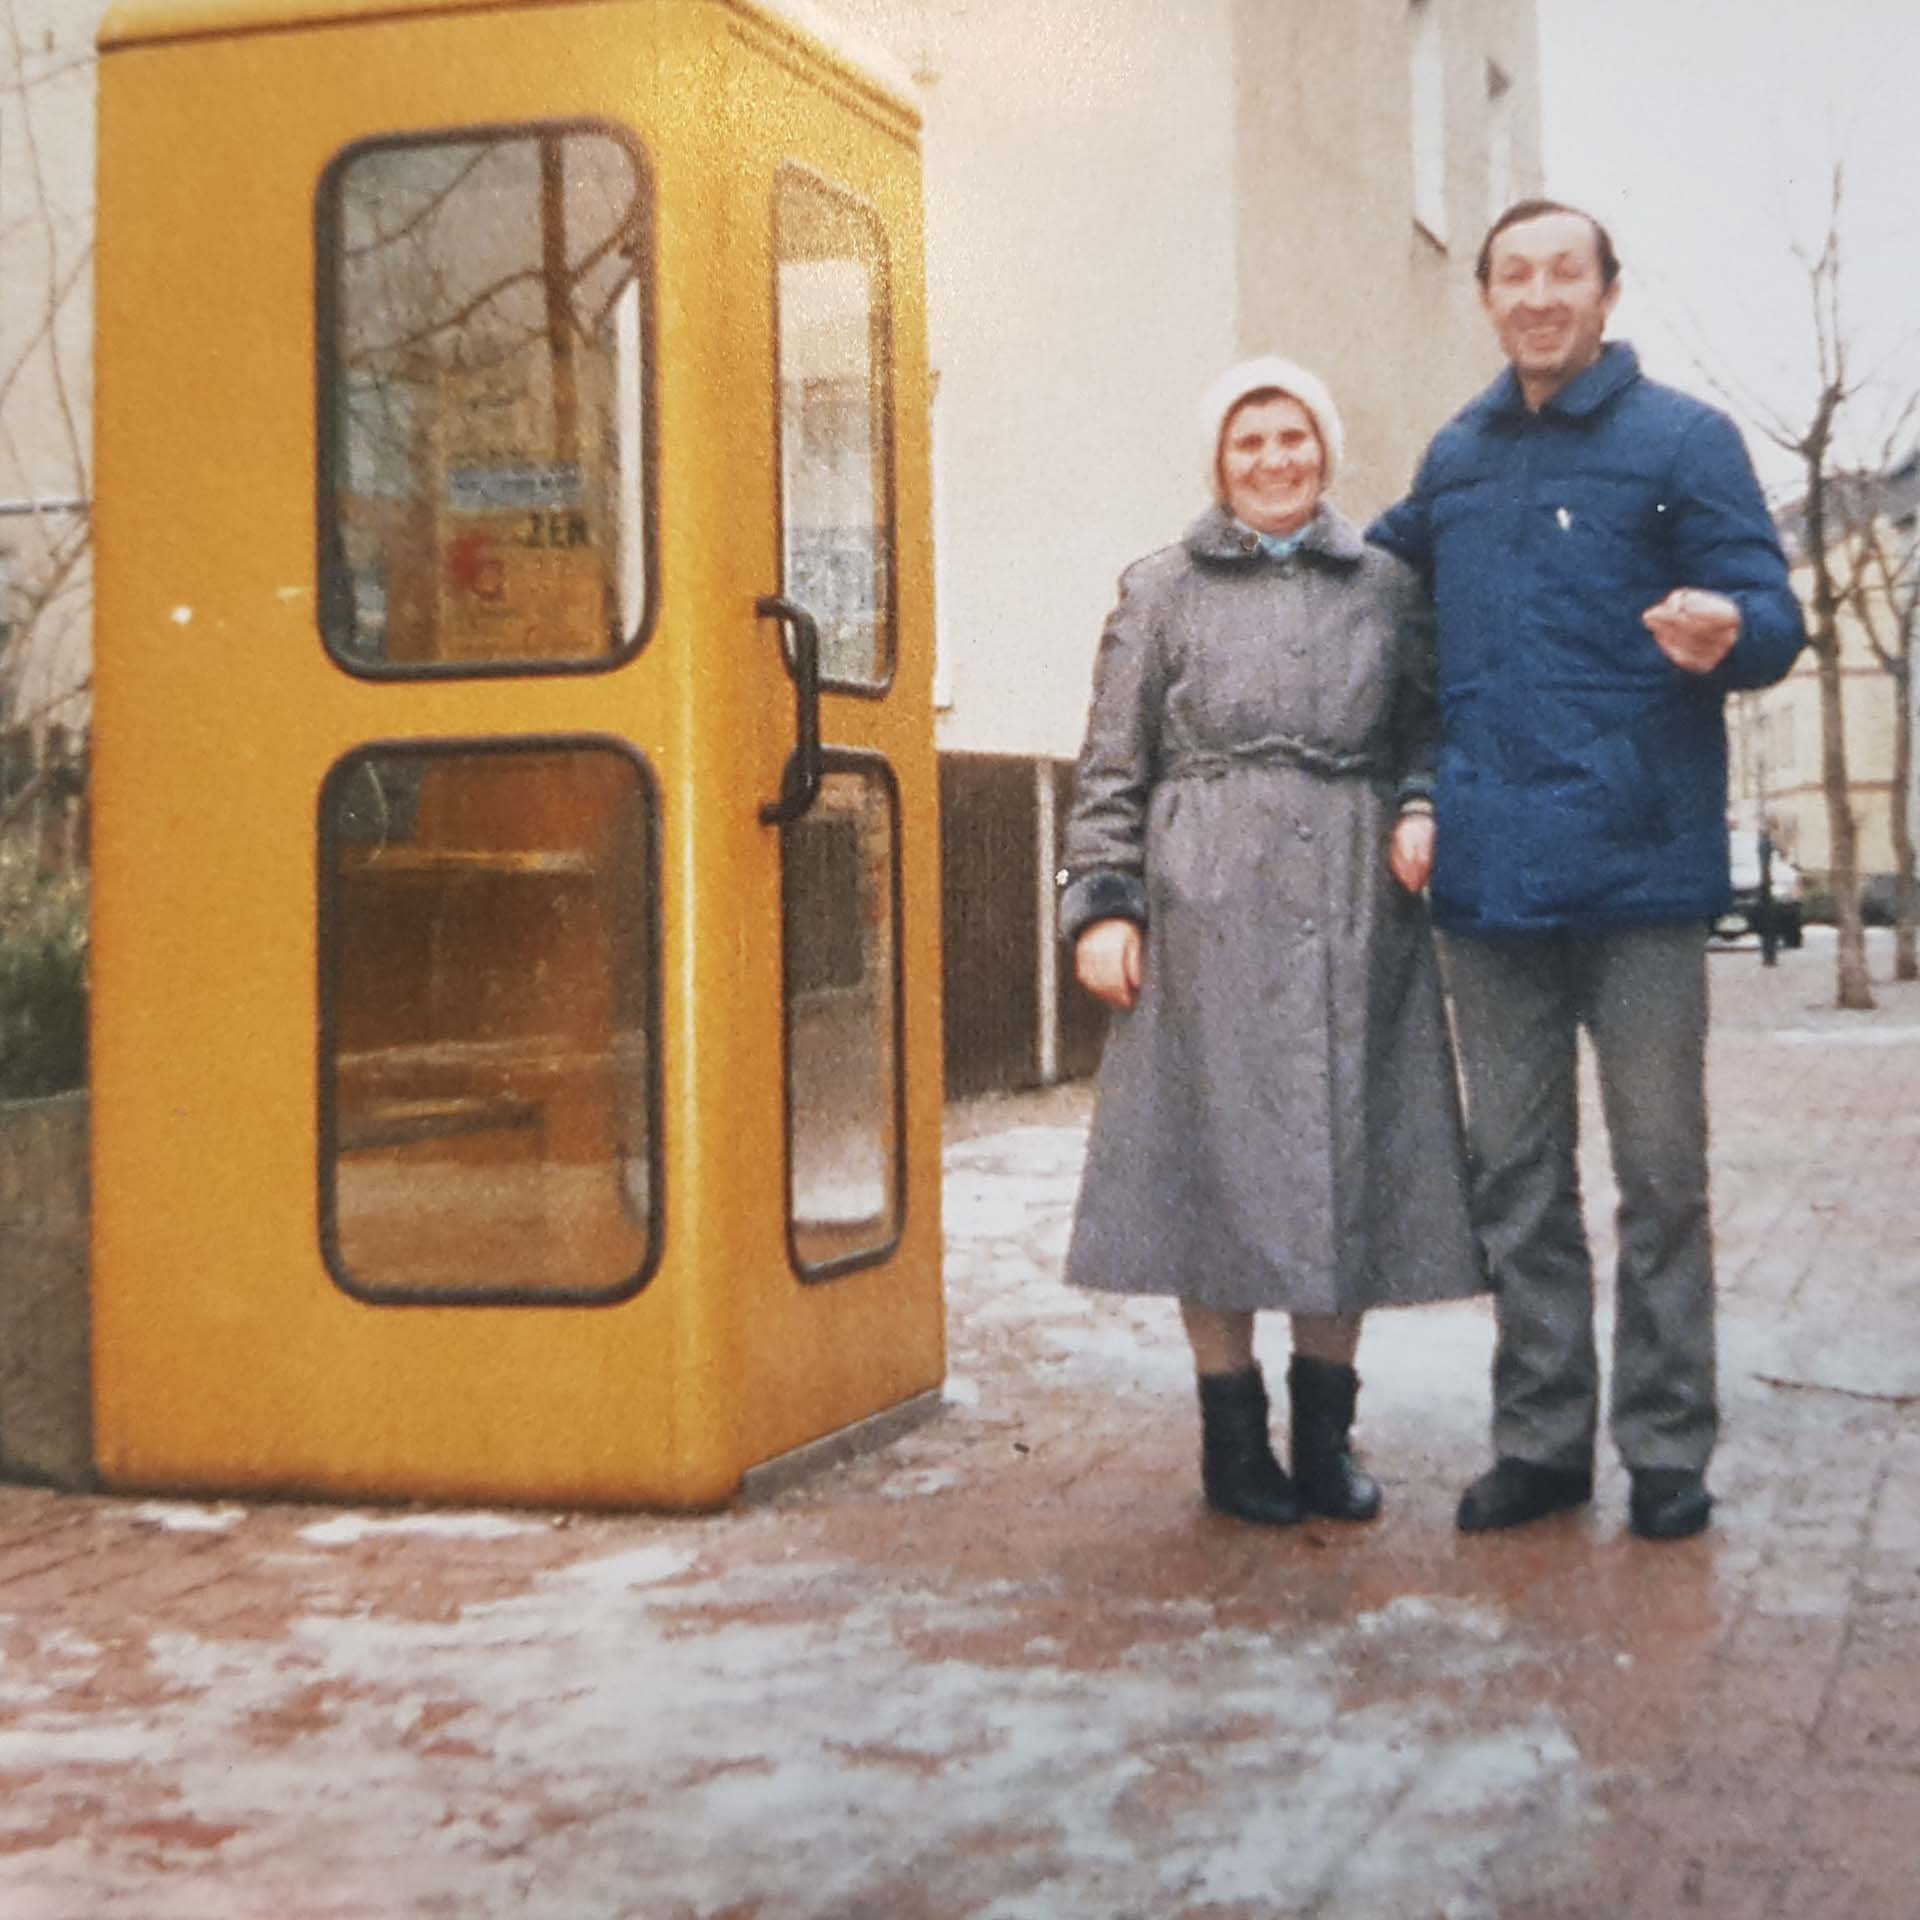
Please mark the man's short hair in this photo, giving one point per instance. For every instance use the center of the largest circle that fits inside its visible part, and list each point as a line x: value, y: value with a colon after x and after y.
x: 1532, y: 210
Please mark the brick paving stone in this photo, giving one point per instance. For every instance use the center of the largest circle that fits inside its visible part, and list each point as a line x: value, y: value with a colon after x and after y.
x: 1859, y: 1848
x: 1011, y: 1669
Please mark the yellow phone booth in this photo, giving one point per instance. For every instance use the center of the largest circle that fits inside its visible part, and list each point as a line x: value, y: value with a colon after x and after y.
x: 516, y: 953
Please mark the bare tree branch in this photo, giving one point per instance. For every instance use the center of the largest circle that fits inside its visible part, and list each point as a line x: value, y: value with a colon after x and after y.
x: 55, y: 296
x: 47, y: 261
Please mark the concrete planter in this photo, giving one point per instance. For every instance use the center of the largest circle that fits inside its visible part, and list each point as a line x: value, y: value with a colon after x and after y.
x: 46, y: 1405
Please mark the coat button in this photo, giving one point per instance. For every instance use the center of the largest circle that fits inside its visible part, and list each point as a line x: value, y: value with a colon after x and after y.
x: 1304, y: 831
x: 1306, y: 926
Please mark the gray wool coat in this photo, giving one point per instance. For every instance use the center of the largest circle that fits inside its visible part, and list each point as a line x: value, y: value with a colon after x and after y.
x: 1277, y: 1121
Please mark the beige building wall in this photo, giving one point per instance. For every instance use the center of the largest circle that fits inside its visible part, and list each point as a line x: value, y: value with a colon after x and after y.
x: 1123, y: 197
x: 1335, y: 265
x: 1081, y: 232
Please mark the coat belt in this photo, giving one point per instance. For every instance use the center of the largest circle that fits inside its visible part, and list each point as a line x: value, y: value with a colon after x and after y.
x: 1277, y: 749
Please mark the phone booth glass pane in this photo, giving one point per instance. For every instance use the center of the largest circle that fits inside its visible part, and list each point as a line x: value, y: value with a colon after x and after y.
x: 843, y: 1035
x: 482, y: 499
x: 488, y: 1090
x: 834, y: 490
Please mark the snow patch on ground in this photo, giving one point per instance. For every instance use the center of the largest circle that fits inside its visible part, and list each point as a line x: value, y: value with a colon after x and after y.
x: 1881, y: 1036
x: 621, y: 1572
x: 348, y: 1529
x: 777, y: 1738
x: 180, y: 1517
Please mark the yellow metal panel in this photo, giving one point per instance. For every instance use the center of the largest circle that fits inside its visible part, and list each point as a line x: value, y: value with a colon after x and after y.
x: 226, y: 1356
x: 805, y: 28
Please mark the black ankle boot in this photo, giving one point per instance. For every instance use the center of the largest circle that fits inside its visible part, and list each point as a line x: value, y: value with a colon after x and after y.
x: 1324, y: 1475
x: 1237, y: 1467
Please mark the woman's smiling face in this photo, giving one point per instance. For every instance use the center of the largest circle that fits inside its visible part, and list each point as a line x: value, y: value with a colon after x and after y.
x: 1271, y: 464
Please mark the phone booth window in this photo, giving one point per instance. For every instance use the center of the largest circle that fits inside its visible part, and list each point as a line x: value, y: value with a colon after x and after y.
x: 488, y: 1085
x: 838, y: 883
x: 483, y: 501
x: 835, y: 485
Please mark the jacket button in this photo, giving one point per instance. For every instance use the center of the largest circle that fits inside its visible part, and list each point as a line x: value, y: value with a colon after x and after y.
x: 1304, y: 831
x: 1249, y: 543
x: 1306, y: 926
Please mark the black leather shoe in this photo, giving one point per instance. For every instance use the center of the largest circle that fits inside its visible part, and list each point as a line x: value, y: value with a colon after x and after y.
x: 1238, y: 1470
x: 1513, y: 1492
x: 1668, y: 1503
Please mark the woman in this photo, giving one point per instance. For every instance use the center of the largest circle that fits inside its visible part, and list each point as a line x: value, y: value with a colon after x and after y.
x: 1277, y: 1123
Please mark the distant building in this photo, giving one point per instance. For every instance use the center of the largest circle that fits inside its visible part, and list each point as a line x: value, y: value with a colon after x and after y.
x: 1776, y: 734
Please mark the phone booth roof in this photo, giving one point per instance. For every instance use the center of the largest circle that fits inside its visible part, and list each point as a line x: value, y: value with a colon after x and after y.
x: 131, y: 23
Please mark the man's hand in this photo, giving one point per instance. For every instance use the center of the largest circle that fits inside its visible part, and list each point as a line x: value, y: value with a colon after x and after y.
x: 1695, y: 629
x: 1410, y: 854
x: 1107, y: 962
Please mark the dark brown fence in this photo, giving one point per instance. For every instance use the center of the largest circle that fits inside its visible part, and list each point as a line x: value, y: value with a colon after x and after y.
x: 1083, y: 1023
x: 995, y: 965
x: 988, y: 898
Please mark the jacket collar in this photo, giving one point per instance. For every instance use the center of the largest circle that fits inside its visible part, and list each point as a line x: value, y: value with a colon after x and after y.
x: 1218, y: 537
x: 1585, y: 394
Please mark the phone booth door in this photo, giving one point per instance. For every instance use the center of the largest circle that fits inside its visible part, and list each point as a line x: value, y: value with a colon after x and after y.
x: 828, y: 228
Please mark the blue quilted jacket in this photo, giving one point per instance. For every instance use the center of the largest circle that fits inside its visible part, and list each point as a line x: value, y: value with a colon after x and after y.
x: 1582, y: 777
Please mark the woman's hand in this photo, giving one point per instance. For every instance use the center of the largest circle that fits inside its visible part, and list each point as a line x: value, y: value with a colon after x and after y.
x: 1411, y: 853
x: 1107, y: 962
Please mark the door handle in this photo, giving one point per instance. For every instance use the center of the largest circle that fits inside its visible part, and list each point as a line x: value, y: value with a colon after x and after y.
x: 800, y: 780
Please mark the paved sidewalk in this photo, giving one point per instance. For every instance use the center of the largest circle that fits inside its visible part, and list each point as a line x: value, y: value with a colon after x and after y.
x: 1010, y: 1669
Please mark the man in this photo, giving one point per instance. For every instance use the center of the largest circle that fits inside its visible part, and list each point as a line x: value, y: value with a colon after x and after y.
x: 1605, y: 572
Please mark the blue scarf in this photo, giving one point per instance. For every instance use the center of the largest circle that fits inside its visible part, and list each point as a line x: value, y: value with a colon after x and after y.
x: 1276, y: 546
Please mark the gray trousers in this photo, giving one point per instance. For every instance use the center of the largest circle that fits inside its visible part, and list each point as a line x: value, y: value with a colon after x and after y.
x: 1518, y: 1007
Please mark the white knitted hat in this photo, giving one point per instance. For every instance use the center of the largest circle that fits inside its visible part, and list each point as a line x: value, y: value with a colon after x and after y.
x: 1251, y: 376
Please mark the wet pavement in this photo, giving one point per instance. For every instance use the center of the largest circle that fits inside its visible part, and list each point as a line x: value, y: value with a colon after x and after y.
x: 1010, y: 1669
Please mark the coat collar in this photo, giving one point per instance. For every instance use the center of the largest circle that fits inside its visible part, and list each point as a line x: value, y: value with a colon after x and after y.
x: 1617, y: 369
x: 1219, y: 538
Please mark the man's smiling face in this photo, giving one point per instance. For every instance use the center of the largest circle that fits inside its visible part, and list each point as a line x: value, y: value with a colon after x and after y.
x: 1548, y: 300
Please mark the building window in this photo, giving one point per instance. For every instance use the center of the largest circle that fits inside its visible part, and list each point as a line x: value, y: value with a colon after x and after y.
x: 1427, y: 60
x: 1500, y: 194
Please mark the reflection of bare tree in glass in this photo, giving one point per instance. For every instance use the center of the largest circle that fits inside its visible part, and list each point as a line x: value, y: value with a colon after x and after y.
x: 832, y: 435
x: 477, y: 291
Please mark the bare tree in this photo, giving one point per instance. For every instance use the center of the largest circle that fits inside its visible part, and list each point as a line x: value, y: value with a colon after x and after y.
x: 46, y: 533
x: 1828, y: 483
